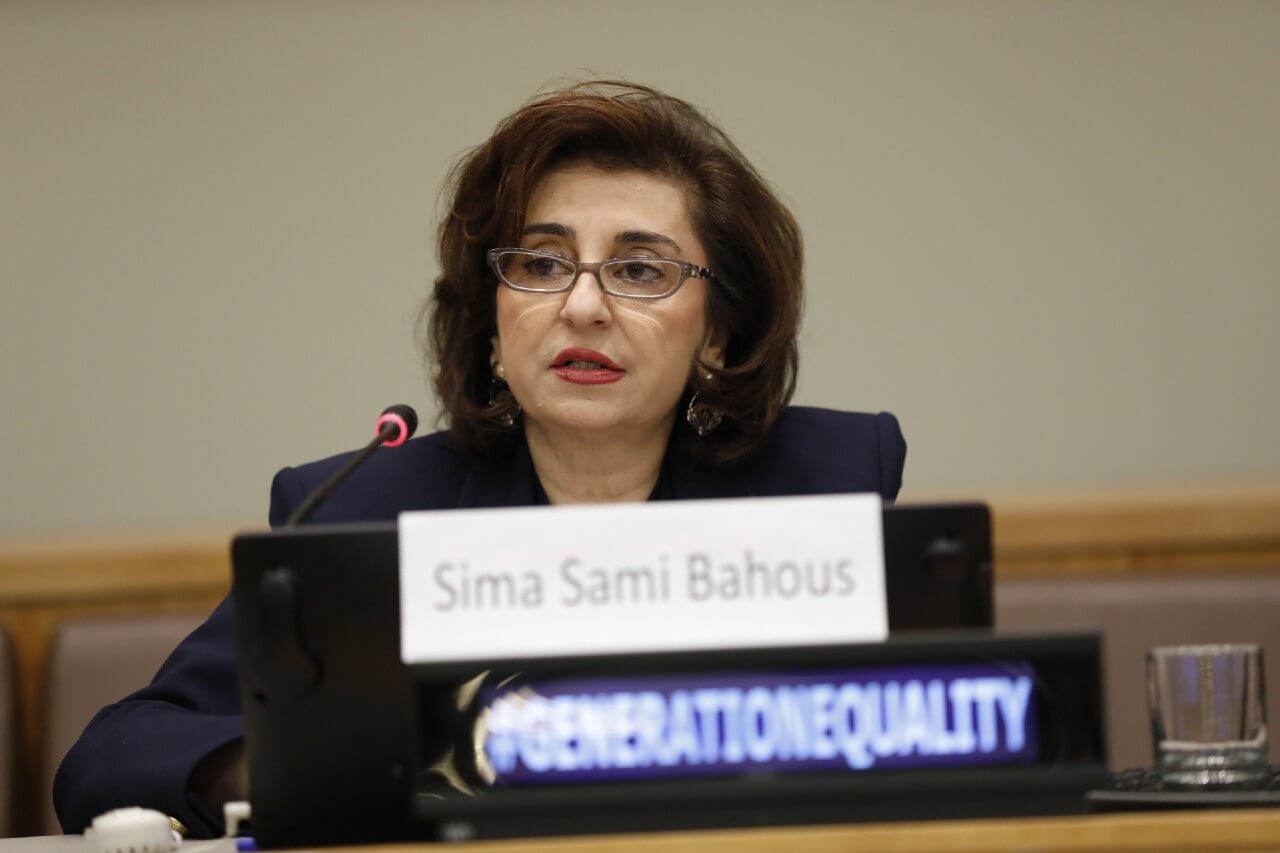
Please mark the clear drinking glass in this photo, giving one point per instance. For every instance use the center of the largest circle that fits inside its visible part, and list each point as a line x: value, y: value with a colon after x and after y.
x: 1208, y: 718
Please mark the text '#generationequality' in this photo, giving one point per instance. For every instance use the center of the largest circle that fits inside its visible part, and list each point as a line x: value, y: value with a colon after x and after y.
x: 970, y: 717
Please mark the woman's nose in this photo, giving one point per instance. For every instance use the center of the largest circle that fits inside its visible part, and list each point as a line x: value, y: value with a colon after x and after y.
x: 587, y: 304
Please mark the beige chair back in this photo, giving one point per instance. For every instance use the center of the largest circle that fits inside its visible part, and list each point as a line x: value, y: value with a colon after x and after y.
x: 93, y: 663
x: 1137, y: 614
x: 8, y: 733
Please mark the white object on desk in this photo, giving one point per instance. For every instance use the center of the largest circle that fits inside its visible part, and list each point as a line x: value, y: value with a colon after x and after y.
x: 131, y: 830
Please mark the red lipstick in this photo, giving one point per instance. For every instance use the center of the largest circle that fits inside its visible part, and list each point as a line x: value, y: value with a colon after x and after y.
x: 583, y: 366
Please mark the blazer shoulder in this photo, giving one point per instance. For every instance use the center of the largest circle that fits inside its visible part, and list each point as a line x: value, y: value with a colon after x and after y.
x: 427, y: 472
x: 824, y: 451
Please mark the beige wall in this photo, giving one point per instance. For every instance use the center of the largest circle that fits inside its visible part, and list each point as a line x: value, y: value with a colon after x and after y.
x: 1045, y: 234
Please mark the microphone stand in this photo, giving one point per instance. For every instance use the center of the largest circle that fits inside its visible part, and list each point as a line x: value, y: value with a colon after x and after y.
x: 386, y: 432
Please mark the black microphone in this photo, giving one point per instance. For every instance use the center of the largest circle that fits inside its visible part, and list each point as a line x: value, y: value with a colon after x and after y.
x: 394, y: 427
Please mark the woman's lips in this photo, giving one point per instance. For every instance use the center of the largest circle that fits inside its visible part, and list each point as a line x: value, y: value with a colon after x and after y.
x: 586, y: 367
x: 588, y: 375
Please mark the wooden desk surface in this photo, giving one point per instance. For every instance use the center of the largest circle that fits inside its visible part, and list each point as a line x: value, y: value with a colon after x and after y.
x: 1167, y: 832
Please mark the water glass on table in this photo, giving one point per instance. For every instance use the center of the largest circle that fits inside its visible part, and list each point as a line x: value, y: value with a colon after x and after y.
x: 1208, y: 717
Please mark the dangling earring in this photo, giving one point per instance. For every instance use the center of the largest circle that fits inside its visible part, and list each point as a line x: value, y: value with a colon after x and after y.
x: 703, y: 417
x: 500, y: 396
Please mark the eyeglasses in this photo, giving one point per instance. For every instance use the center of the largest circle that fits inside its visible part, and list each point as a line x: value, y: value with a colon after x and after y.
x: 640, y: 277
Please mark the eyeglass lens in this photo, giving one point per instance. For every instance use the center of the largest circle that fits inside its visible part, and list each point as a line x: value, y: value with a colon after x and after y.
x: 638, y: 276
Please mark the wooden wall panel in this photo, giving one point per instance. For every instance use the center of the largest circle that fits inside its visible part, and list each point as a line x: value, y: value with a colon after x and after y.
x: 1139, y: 533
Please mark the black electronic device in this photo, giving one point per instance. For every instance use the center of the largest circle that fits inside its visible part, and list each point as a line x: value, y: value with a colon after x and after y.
x: 922, y: 726
x: 337, y: 733
x: 937, y: 561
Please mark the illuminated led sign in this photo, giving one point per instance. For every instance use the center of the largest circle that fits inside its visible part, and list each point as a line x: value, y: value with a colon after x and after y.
x: 567, y: 730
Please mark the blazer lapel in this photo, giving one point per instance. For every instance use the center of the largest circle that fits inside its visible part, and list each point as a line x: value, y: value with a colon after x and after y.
x: 692, y: 481
x: 499, y: 482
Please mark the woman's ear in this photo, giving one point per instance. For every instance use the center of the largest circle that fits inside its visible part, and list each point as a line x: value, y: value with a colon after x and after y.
x: 712, y: 351
x: 495, y: 356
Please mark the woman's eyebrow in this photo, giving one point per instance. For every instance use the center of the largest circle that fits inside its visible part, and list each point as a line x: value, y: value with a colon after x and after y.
x: 646, y: 237
x: 552, y: 229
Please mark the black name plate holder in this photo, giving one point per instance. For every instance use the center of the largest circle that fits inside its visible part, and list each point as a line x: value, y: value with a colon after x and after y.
x: 928, y: 725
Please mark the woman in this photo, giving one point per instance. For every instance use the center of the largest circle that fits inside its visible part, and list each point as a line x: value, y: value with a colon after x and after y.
x: 615, y: 320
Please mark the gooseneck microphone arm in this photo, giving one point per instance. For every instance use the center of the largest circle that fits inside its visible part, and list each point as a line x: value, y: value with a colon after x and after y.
x: 394, y: 427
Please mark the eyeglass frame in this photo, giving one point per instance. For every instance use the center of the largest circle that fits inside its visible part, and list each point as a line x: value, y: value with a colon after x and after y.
x: 688, y: 270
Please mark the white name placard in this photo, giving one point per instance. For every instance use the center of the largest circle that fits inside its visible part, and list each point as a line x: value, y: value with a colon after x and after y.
x: 608, y: 578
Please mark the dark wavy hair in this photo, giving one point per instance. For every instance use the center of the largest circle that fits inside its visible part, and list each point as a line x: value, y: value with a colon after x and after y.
x: 752, y: 241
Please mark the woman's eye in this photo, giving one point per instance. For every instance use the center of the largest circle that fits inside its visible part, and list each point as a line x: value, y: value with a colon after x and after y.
x: 639, y: 271
x: 545, y: 267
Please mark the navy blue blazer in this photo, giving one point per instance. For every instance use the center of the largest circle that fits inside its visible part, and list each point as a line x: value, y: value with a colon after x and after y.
x: 142, y: 750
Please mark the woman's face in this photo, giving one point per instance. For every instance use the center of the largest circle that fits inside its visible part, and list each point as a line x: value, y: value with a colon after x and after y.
x: 585, y: 359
